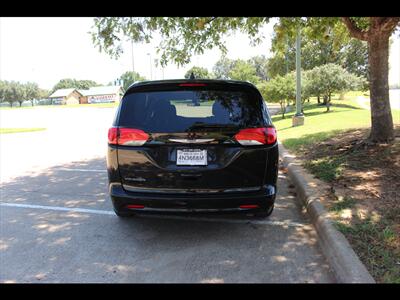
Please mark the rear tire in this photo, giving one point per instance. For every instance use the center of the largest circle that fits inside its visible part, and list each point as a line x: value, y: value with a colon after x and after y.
x: 124, y: 214
x: 265, y: 213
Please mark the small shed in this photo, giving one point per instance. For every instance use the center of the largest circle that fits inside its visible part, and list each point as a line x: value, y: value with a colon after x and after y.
x: 65, y: 96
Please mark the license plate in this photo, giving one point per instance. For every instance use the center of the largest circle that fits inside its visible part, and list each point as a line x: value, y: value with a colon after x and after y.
x: 191, y: 157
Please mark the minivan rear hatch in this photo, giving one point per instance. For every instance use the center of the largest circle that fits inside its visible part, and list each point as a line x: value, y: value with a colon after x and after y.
x: 183, y: 137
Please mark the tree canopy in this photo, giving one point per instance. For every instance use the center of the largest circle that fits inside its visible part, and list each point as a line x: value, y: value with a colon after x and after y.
x: 13, y: 91
x: 129, y: 78
x: 198, y: 72
x: 183, y: 37
x: 74, y: 83
x: 352, y: 54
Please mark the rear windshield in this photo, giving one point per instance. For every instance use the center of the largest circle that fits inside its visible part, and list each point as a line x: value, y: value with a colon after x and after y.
x: 181, y: 111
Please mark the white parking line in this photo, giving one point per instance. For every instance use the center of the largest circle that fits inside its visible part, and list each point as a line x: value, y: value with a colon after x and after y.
x: 81, y: 170
x: 188, y: 218
x: 82, y: 210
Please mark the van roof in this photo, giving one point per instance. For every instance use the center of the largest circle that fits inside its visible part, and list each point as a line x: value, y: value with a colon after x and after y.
x: 150, y: 83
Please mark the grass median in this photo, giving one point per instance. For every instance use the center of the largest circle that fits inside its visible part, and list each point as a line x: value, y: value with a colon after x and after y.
x: 19, y: 130
x: 364, y: 180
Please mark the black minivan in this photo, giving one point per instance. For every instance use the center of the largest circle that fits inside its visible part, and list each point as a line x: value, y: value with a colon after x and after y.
x: 192, y: 145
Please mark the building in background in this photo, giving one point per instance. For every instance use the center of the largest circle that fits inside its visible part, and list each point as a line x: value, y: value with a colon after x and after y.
x: 66, y: 96
x: 101, y: 94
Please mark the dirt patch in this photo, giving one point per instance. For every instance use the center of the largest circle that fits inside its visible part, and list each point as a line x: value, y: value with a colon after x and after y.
x: 365, y: 195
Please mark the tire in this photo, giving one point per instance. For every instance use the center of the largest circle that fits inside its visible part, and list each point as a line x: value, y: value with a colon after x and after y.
x: 124, y: 213
x: 265, y: 213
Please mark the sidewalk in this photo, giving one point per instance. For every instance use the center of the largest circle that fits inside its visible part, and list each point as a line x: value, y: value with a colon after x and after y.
x: 394, y: 96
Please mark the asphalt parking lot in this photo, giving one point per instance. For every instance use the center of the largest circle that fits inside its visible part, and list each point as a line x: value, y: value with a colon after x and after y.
x: 57, y: 223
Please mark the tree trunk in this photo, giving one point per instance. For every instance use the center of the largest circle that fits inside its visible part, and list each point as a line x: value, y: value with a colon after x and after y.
x: 283, y: 110
x: 381, y: 115
x: 327, y: 101
x: 318, y: 99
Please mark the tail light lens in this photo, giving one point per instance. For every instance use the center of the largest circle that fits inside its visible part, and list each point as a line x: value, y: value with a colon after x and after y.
x: 112, y: 135
x: 257, y: 136
x: 127, y: 136
x: 134, y: 206
x: 247, y: 206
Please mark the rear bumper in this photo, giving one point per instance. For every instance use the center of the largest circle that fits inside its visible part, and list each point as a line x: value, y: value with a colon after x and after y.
x: 210, y: 202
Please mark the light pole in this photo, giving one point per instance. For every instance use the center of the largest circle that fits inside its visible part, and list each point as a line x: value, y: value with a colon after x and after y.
x: 133, y: 63
x: 298, y: 118
x: 151, y: 71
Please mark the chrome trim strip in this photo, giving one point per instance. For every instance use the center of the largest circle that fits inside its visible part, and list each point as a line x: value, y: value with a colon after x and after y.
x: 188, y: 209
x: 191, y: 141
x: 187, y: 191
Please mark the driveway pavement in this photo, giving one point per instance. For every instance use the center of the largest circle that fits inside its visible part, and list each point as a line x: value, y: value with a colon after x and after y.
x: 57, y: 223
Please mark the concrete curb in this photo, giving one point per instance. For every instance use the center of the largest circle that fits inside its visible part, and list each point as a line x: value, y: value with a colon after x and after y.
x: 345, y: 263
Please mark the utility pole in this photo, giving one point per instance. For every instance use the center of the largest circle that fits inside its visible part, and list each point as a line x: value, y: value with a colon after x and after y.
x: 151, y: 71
x: 298, y: 118
x: 286, y: 55
x: 133, y: 62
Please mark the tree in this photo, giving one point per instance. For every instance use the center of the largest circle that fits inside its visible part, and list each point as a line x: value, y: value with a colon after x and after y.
x: 21, y: 93
x: 260, y: 63
x: 355, y: 58
x: 352, y: 54
x: 223, y: 67
x: 129, y: 78
x: 13, y: 92
x: 244, y: 71
x: 32, y: 91
x: 280, y: 89
x: 6, y: 94
x: 198, y: 72
x: 271, y: 92
x: 253, y: 70
x: 68, y: 83
x: 184, y: 37
x: 328, y: 79
x: 3, y: 90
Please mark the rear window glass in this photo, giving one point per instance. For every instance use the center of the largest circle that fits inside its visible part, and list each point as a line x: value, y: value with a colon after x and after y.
x: 180, y: 111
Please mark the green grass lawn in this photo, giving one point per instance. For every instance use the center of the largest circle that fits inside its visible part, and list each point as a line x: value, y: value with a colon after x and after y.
x: 17, y: 130
x: 320, y: 125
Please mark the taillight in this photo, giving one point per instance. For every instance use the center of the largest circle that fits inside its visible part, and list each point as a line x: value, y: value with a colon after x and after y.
x: 132, y: 137
x: 127, y: 136
x: 247, y: 206
x: 134, y: 206
x: 257, y: 136
x: 112, y: 135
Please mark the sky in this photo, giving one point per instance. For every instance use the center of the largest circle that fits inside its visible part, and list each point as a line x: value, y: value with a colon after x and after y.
x: 45, y: 50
